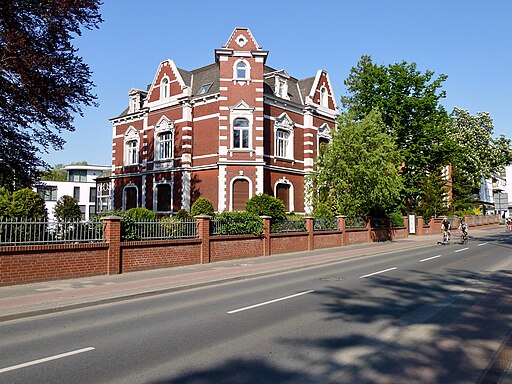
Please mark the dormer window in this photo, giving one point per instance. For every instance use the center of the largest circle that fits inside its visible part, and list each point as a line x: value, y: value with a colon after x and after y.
x: 164, y: 88
x: 281, y: 88
x: 204, y: 88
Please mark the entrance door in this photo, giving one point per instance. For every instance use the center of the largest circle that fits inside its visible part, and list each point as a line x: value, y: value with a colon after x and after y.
x: 240, y: 194
x: 283, y: 194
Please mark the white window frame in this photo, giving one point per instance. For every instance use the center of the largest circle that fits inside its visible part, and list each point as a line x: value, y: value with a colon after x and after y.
x: 247, y: 70
x: 131, y: 147
x: 285, y: 124
x: 165, y: 88
x: 324, y: 97
x: 241, y: 130
x: 241, y: 111
x: 164, y: 126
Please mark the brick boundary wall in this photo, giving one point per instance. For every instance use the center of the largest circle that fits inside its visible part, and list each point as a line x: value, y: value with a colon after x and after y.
x: 35, y: 263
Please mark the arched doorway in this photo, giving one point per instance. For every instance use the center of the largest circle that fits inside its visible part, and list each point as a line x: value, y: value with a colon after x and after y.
x: 240, y: 194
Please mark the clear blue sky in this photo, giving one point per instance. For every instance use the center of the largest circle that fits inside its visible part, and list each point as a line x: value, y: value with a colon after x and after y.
x: 468, y: 40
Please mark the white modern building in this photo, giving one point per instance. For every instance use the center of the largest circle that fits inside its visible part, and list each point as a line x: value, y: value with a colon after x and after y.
x: 492, y: 187
x: 80, y: 184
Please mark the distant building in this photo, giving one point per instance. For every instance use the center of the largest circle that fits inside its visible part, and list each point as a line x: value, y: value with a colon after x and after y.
x: 225, y: 131
x: 490, y: 188
x: 80, y: 184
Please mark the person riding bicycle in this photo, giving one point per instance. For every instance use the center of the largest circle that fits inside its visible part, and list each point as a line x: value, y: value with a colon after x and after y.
x: 463, y: 227
x: 445, y: 228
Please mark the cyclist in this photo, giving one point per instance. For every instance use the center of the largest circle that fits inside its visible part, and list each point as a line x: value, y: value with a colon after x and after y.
x: 445, y: 228
x: 463, y: 229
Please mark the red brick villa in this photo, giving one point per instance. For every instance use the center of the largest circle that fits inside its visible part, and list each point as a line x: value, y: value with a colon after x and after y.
x: 226, y: 131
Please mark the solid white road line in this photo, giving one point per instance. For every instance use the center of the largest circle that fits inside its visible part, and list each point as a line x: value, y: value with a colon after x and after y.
x: 44, y: 360
x: 482, y: 244
x: 460, y: 250
x: 430, y: 258
x: 376, y: 273
x: 270, y: 302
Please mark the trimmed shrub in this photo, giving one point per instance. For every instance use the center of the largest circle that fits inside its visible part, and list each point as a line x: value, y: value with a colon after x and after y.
x: 67, y: 209
x: 240, y: 223
x: 266, y: 205
x: 140, y: 214
x: 397, y: 220
x: 182, y: 215
x: 202, y: 206
x: 323, y: 211
x: 28, y: 205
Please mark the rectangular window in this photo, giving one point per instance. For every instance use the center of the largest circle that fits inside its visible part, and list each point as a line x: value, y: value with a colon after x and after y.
x: 281, y: 143
x: 77, y: 175
x: 205, y: 88
x: 241, y: 133
x: 103, y: 204
x: 82, y: 209
x: 131, y: 152
x: 92, y: 194
x: 76, y: 193
x: 164, y: 198
x: 165, y: 145
x: 92, y: 211
x: 48, y: 193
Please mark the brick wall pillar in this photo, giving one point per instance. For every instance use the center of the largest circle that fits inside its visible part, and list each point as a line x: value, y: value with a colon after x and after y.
x: 419, y: 225
x: 112, y: 232
x: 369, y: 231
x: 266, y: 235
x: 310, y: 227
x: 203, y: 231
x: 342, y: 226
x: 406, y: 224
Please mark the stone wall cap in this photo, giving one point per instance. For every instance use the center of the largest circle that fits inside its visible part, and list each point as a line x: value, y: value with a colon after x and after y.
x: 112, y: 218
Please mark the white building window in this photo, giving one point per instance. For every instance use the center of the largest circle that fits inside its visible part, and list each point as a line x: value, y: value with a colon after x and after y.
x: 281, y: 88
x: 241, y: 133
x: 241, y: 70
x: 131, y: 152
x: 282, y: 141
x: 165, y: 145
x: 283, y: 134
x: 164, y: 88
x: 323, y: 97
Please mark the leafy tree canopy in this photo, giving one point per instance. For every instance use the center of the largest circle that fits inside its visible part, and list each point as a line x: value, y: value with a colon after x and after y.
x: 409, y: 102
x: 26, y: 204
x: 358, y: 172
x: 43, y: 82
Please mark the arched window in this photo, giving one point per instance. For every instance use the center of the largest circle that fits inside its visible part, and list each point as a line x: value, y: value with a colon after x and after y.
x: 241, y: 133
x: 241, y: 70
x: 164, y: 88
x: 323, y: 97
x: 130, y: 197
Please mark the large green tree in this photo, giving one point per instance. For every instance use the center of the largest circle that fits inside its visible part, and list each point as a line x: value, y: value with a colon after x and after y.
x: 357, y: 174
x: 409, y: 102
x: 43, y: 82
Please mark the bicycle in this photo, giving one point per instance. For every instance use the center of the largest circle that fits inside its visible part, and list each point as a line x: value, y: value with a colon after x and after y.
x: 446, y: 238
x: 463, y: 238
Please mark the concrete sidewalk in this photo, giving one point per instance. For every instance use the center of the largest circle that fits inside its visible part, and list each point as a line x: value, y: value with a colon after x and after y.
x: 27, y: 300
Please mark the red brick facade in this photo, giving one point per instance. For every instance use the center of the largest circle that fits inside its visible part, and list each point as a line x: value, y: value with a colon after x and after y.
x: 226, y: 131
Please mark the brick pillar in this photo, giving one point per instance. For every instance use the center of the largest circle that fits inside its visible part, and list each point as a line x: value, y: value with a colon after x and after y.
x: 419, y: 225
x: 112, y: 232
x: 310, y: 227
x: 406, y: 223
x: 203, y: 231
x: 266, y: 235
x: 342, y: 226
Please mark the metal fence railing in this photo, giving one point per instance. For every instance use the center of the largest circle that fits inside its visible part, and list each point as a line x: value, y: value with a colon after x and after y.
x: 18, y: 232
x: 160, y: 230
x: 280, y: 226
x: 355, y: 222
x: 323, y: 224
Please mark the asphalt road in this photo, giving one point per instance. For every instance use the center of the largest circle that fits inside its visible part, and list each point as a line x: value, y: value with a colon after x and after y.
x: 439, y: 314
